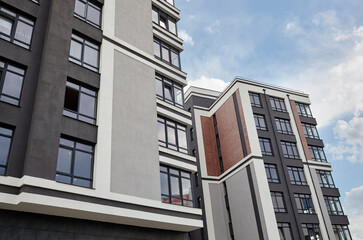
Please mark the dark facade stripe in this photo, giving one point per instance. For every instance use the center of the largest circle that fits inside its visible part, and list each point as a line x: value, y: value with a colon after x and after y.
x: 239, y: 123
x: 254, y: 201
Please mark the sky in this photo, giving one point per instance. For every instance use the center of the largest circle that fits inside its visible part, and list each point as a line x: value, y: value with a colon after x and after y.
x: 312, y: 46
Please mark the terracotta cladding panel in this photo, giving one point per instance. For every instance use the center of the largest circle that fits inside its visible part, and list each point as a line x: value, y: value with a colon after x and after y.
x: 244, y: 126
x: 210, y: 146
x: 300, y: 129
x: 231, y: 147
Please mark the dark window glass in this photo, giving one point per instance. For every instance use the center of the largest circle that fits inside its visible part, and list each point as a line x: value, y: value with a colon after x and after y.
x: 297, y: 176
x: 317, y: 154
x: 311, y: 231
x: 333, y: 205
x: 169, y: 91
x: 303, y: 110
x: 255, y: 99
x: 176, y: 187
x: 284, y: 231
x: 84, y: 52
x: 278, y: 201
x: 304, y: 203
x: 271, y: 173
x: 260, y: 122
x: 75, y: 163
x: 283, y: 126
x: 88, y: 11
x: 15, y: 28
x: 277, y: 104
x: 6, y: 136
x: 325, y: 179
x: 80, y: 103
x: 310, y: 131
x: 166, y: 53
x: 11, y: 83
x: 289, y: 149
x: 265, y: 145
x: 172, y: 135
x: 341, y: 232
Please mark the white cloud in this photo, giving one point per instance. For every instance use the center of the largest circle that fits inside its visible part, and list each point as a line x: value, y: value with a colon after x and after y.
x: 186, y: 37
x: 208, y: 83
x: 214, y: 27
x: 354, y: 209
x: 327, y: 18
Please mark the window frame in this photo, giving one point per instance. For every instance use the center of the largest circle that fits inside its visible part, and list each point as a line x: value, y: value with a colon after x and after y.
x: 333, y: 205
x: 165, y: 81
x: 304, y: 203
x: 83, y: 40
x: 162, y: 45
x: 258, y: 120
x: 309, y: 228
x: 263, y: 142
x: 10, y: 136
x: 282, y: 232
x: 283, y: 126
x: 168, y: 19
x: 94, y: 5
x: 341, y: 232
x: 276, y: 198
x: 310, y: 131
x: 317, y: 151
x: 253, y: 97
x: 289, y: 150
x: 177, y: 126
x: 303, y: 110
x: 298, y: 176
x: 324, y: 178
x: 4, y: 69
x: 277, y: 104
x: 268, y: 171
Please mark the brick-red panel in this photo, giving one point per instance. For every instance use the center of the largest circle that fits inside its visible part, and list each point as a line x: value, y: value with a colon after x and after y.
x: 210, y: 146
x: 244, y: 126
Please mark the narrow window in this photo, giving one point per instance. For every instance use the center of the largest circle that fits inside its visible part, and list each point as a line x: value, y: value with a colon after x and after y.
x: 297, y: 176
x: 284, y: 231
x: 84, y: 52
x: 265, y: 145
x: 11, y: 83
x: 255, y: 99
x: 260, y: 122
x: 304, y: 203
x: 6, y: 136
x: 278, y: 201
x: 278, y: 104
x: 88, y: 12
x: 289, y: 149
x: 311, y: 231
x: 271, y: 173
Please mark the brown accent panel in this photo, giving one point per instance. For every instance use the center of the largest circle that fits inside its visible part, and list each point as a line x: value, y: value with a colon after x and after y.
x: 244, y: 126
x: 210, y: 146
x: 300, y: 129
x: 231, y: 146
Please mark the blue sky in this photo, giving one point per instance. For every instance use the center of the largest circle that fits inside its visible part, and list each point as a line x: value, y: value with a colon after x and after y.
x: 313, y: 46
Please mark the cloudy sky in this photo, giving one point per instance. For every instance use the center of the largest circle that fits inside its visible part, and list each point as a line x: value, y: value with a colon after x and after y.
x: 313, y: 46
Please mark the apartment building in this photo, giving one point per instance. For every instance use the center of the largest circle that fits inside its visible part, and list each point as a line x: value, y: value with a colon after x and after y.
x: 89, y: 147
x: 262, y: 170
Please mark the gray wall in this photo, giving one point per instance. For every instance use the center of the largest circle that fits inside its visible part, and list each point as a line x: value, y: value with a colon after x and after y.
x: 219, y: 211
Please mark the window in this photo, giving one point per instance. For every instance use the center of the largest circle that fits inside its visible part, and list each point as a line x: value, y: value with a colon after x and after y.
x: 260, y: 122
x: 88, y: 12
x: 341, y: 232
x: 317, y: 154
x: 284, y: 231
x: 172, y: 135
x: 278, y: 202
x: 169, y: 91
x: 311, y: 231
x: 271, y: 173
x: 6, y: 136
x: 265, y: 145
x: 255, y: 99
x: 15, y: 28
x: 304, y: 203
x: 289, y: 149
x: 283, y: 126
x: 11, y: 83
x: 163, y: 20
x: 75, y: 163
x: 166, y: 53
x: 176, y: 186
x: 277, y: 104
x: 310, y: 131
x: 80, y: 103
x: 297, y: 176
x: 303, y: 110
x: 333, y: 205
x: 325, y: 179
x: 84, y: 52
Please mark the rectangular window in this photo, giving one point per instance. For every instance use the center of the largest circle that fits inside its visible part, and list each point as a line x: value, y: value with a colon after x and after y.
x: 265, y: 145
x: 289, y: 149
x: 325, y: 179
x: 317, y: 154
x: 271, y: 173
x: 84, y: 52
x: 260, y: 122
x: 278, y: 201
x: 310, y: 131
x: 75, y: 163
x: 333, y: 205
x: 88, y: 11
x: 341, y: 232
x: 172, y: 135
x: 277, y: 104
x: 80, y: 103
x: 11, y: 83
x: 166, y: 53
x: 15, y: 28
x: 164, y: 20
x: 169, y: 91
x: 284, y: 231
x: 176, y: 186
x: 297, y: 176
x: 303, y: 110
x: 255, y: 99
x: 304, y: 203
x: 6, y: 136
x: 311, y: 231
x: 283, y: 126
